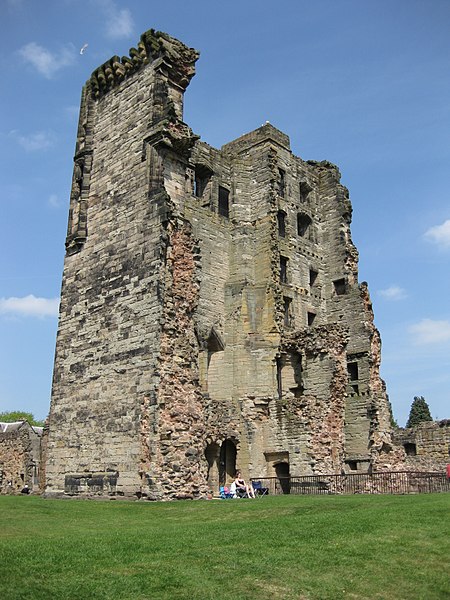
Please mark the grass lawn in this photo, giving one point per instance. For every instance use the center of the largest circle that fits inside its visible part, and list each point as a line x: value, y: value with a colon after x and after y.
x: 285, y: 547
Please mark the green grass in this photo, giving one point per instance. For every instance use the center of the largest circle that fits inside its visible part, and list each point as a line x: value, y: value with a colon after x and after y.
x: 288, y: 547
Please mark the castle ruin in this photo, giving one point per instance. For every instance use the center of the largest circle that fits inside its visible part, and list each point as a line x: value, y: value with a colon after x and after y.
x: 211, y: 315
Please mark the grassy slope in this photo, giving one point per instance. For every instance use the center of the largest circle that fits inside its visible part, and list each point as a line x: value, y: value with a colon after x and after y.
x: 377, y: 547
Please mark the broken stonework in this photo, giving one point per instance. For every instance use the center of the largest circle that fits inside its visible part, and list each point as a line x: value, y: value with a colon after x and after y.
x: 211, y: 315
x: 20, y: 457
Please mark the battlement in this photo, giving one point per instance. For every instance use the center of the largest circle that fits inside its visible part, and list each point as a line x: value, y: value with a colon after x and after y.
x: 165, y: 52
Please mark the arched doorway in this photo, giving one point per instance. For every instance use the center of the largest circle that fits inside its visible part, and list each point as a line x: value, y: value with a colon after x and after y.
x: 212, y: 455
x: 227, y: 462
x: 282, y: 472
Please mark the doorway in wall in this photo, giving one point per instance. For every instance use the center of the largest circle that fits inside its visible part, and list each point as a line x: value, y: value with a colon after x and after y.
x: 282, y: 472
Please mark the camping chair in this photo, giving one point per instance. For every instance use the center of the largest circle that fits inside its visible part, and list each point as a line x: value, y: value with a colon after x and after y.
x: 259, y: 489
x: 225, y: 493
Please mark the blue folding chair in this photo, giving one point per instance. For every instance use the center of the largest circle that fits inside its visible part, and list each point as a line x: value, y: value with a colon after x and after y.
x: 259, y: 489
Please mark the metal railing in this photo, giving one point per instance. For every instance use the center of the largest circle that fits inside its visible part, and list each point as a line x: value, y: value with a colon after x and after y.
x: 392, y: 482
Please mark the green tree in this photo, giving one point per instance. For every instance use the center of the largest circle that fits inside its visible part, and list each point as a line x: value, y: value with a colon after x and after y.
x: 19, y: 415
x: 394, y: 423
x: 419, y: 412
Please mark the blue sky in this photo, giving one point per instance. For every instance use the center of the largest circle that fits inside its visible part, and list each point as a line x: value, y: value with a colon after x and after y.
x: 362, y: 83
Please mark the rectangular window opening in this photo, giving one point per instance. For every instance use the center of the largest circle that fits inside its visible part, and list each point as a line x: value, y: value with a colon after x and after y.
x: 224, y: 208
x: 352, y: 465
x: 281, y: 217
x: 340, y: 287
x: 312, y: 277
x: 410, y: 449
x: 283, y: 269
x: 202, y: 177
x: 311, y: 318
x: 304, y: 191
x: 352, y: 368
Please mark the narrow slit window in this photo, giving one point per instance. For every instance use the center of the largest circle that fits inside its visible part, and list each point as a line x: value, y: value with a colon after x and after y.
x: 287, y: 311
x: 283, y: 269
x: 224, y: 199
x: 279, y: 379
x: 311, y: 318
x: 281, y: 183
x: 281, y: 217
x: 340, y: 287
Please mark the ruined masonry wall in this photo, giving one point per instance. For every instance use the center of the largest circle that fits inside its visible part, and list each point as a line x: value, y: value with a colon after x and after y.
x: 109, y: 317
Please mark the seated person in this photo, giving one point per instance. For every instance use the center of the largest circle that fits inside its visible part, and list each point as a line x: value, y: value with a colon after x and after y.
x: 242, y: 488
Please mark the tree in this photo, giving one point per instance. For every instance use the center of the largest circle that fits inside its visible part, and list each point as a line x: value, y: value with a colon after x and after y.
x: 19, y: 415
x: 419, y: 412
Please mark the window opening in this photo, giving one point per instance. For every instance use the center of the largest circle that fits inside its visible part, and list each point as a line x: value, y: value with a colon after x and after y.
x: 352, y: 368
x: 312, y: 277
x: 352, y: 465
x: 283, y: 269
x: 287, y: 311
x: 224, y: 208
x: 340, y: 287
x: 304, y: 191
x: 355, y: 388
x: 281, y: 183
x: 410, y: 449
x: 281, y: 217
x: 303, y: 223
x: 279, y: 379
x: 201, y: 179
x: 311, y: 318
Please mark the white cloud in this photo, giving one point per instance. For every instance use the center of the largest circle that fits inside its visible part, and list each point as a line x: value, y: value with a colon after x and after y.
x: 30, y: 306
x: 394, y: 292
x: 118, y: 21
x: 429, y: 331
x: 46, y: 62
x: 40, y: 140
x: 440, y: 234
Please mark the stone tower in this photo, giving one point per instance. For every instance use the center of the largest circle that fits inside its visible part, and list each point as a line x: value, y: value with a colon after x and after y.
x: 211, y: 315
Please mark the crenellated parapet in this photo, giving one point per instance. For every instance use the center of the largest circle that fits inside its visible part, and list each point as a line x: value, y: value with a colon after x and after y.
x: 173, y: 58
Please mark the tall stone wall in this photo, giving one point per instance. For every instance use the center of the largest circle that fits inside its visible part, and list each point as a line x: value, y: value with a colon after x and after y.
x: 211, y: 315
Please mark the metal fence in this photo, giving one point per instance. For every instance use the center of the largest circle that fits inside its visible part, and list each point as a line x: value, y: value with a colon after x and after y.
x: 394, y: 482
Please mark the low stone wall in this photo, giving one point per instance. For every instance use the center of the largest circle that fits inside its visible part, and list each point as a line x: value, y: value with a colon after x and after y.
x: 427, y: 446
x: 20, y: 445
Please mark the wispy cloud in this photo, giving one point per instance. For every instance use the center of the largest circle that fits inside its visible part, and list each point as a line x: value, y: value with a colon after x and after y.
x: 118, y: 21
x: 429, y: 331
x: 394, y: 292
x: 48, y: 63
x: 30, y: 306
x: 440, y: 234
x: 39, y: 140
x: 54, y: 201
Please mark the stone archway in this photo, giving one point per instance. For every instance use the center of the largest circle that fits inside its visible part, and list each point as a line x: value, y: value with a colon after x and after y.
x: 212, y: 455
x: 227, y: 462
